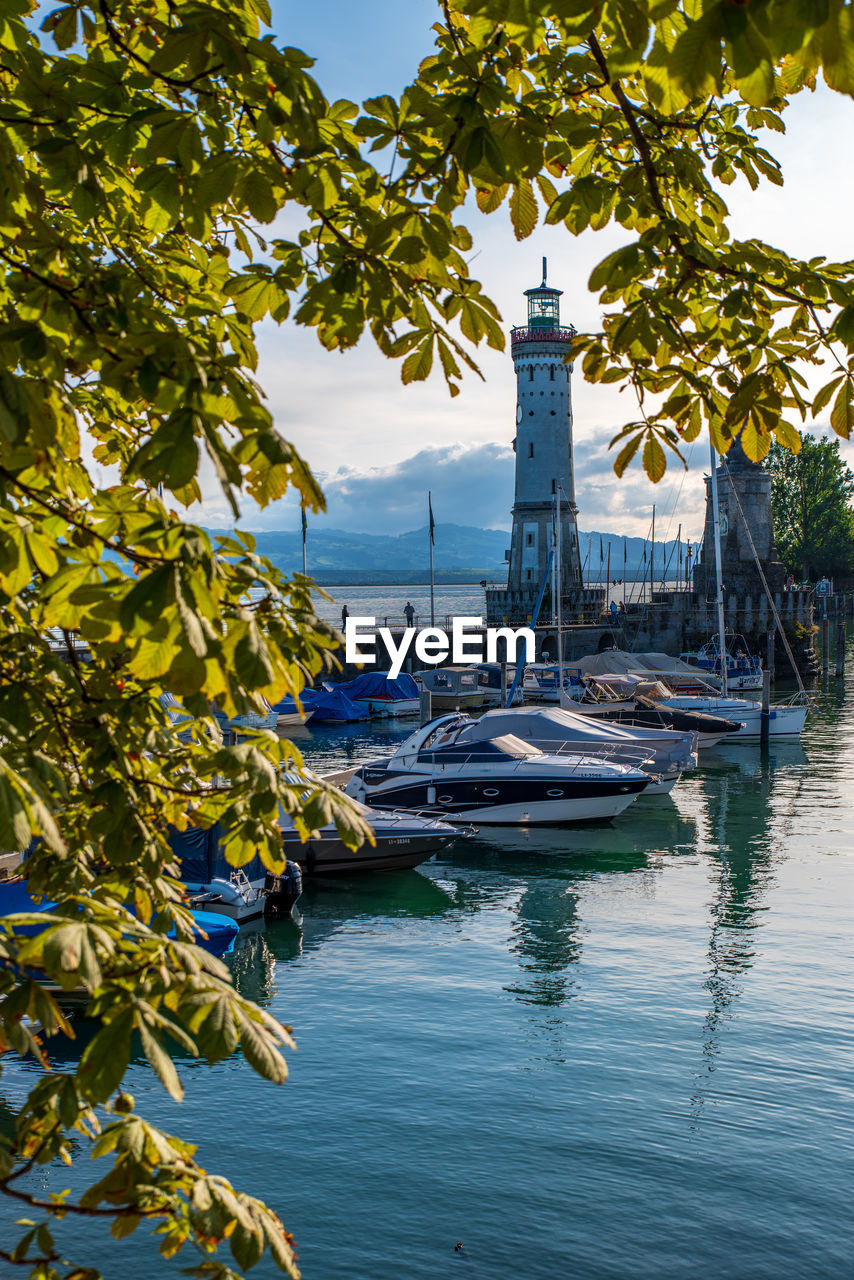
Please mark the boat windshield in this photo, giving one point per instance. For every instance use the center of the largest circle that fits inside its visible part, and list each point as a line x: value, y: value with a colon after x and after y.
x: 507, y: 746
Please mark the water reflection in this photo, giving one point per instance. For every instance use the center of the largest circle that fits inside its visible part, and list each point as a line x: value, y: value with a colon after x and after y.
x: 738, y: 788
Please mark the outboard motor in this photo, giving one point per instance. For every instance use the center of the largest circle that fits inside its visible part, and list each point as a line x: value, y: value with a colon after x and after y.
x: 282, y: 891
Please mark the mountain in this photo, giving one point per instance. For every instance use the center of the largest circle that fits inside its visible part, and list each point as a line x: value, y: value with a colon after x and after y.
x: 462, y: 553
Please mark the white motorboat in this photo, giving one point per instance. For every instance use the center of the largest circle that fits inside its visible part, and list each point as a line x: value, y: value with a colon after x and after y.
x: 494, y: 781
x: 541, y: 681
x: 785, y: 719
x: 651, y: 709
x: 661, y: 753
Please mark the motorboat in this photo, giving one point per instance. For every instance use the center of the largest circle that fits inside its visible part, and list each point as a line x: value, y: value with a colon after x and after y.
x: 326, y: 705
x: 620, y: 704
x: 211, y: 930
x: 541, y: 681
x: 661, y: 753
x: 743, y: 671
x: 288, y: 714
x: 213, y: 884
x: 377, y: 693
x: 401, y: 840
x: 501, y: 780
x: 785, y: 719
x: 490, y: 685
x: 451, y: 688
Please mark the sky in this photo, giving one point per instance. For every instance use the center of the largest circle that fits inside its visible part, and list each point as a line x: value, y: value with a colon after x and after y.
x: 378, y: 446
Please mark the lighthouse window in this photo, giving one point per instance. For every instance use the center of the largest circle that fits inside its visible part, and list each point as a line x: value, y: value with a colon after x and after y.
x: 552, y: 373
x: 531, y: 449
x: 530, y: 540
x: 529, y: 575
x: 530, y: 373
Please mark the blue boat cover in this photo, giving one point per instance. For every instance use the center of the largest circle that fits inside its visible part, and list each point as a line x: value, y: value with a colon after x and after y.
x: 202, y: 859
x: 221, y: 930
x: 379, y: 684
x: 320, y: 705
x: 331, y: 704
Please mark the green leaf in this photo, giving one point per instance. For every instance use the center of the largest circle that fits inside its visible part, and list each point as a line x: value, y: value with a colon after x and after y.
x: 417, y: 365
x: 626, y: 454
x: 842, y: 413
x: 163, y: 1065
x: 105, y: 1059
x: 523, y: 209
x: 654, y: 461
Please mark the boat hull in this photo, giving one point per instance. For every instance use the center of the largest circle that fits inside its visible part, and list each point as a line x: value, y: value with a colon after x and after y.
x: 783, y: 721
x: 456, y: 701
x: 327, y: 855
x: 389, y: 708
x: 509, y: 801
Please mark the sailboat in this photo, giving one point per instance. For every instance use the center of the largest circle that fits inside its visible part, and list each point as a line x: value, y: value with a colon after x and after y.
x: 785, y: 720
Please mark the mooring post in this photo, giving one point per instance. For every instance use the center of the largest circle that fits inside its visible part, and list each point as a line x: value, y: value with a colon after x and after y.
x: 825, y: 633
x: 426, y: 706
x: 769, y: 653
x: 766, y: 708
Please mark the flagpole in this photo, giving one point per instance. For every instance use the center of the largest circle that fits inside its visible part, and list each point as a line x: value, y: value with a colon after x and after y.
x: 432, y: 539
x: 304, y: 536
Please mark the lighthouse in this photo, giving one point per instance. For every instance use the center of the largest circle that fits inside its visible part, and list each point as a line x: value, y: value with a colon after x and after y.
x: 543, y: 446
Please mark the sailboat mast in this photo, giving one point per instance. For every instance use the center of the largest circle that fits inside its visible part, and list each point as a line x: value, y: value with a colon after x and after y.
x: 559, y: 593
x: 652, y: 556
x: 716, y: 522
x: 554, y: 548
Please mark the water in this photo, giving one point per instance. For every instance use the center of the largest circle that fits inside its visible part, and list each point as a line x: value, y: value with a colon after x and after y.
x: 610, y: 1052
x: 386, y: 603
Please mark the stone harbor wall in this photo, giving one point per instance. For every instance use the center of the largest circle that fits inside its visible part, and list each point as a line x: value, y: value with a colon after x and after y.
x: 740, y: 478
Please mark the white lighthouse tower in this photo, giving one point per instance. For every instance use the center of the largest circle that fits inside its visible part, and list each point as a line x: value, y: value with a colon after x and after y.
x: 543, y: 446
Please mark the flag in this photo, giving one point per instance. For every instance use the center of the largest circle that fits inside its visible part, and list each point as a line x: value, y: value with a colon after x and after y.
x: 432, y: 521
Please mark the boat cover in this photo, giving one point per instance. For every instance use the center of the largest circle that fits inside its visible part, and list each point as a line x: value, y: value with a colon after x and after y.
x: 321, y: 705
x: 330, y: 704
x: 202, y: 858
x: 220, y: 930
x: 550, y: 724
x: 619, y: 662
x: 379, y: 684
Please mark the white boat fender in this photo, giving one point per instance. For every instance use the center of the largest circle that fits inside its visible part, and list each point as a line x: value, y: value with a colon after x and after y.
x: 227, y: 892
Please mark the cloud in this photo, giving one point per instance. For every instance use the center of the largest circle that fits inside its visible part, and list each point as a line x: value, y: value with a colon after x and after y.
x: 471, y: 485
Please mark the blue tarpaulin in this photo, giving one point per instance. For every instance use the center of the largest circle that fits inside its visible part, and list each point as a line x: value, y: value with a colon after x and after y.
x: 321, y: 705
x: 202, y: 858
x: 379, y: 684
x: 220, y: 930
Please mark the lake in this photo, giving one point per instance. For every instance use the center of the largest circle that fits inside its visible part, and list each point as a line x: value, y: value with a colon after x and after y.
x: 598, y: 1053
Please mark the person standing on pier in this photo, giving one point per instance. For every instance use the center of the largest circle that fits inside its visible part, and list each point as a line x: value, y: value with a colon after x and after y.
x: 409, y: 613
x: 345, y: 614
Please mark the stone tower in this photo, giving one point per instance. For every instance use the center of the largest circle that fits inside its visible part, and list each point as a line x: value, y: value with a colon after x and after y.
x: 738, y: 475
x: 543, y: 447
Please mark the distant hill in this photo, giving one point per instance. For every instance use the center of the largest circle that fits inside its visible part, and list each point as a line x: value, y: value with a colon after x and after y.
x: 462, y: 554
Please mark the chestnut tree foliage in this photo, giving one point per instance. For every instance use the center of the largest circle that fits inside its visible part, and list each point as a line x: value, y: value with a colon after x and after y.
x: 146, y: 148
